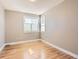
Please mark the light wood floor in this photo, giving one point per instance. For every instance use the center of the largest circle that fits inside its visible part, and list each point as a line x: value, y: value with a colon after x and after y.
x: 32, y: 50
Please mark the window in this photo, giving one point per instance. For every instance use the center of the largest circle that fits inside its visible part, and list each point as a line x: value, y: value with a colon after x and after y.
x: 43, y: 23
x: 31, y: 24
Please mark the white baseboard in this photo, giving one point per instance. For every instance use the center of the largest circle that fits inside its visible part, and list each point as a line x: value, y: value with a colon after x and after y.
x: 61, y: 49
x: 20, y: 42
x: 2, y: 47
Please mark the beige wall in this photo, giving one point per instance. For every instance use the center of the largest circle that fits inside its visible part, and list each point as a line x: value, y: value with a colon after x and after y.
x: 61, y: 25
x: 14, y: 27
x: 2, y: 25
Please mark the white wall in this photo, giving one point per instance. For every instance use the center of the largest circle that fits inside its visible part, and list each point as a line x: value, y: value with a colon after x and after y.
x: 2, y: 25
x: 61, y: 26
x: 14, y: 27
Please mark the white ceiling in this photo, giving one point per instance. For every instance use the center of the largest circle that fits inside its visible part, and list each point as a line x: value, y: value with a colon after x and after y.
x: 38, y: 7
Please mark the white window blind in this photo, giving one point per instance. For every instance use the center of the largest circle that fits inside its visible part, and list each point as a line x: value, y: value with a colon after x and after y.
x: 43, y: 23
x: 31, y: 24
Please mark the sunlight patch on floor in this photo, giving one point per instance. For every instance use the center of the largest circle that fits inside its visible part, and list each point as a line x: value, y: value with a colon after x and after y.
x: 34, y: 54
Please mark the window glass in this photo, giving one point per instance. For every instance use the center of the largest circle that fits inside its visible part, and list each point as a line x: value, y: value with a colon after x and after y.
x: 43, y: 23
x: 31, y: 25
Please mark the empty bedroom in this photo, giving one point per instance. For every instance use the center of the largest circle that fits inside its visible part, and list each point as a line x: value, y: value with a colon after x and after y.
x: 38, y: 29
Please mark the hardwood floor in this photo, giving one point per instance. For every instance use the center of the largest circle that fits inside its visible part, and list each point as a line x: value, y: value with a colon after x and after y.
x: 32, y: 50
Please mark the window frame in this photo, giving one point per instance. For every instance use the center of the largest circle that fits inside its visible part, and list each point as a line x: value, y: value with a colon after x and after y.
x: 31, y: 26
